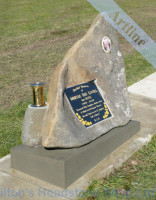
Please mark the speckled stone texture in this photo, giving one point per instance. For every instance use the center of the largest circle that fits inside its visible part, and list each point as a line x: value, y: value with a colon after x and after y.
x: 84, y: 62
x: 33, y: 125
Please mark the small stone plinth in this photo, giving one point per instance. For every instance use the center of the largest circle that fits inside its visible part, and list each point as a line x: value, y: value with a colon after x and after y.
x: 61, y: 167
x: 33, y: 125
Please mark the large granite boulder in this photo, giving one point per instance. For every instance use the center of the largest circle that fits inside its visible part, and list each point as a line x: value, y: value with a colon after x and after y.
x: 84, y: 62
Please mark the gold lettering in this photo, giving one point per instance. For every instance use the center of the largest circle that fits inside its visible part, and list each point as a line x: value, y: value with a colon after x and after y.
x: 101, y: 109
x: 93, y: 112
x: 89, y: 97
x: 84, y: 94
x: 77, y: 88
x: 90, y: 105
x: 98, y: 106
x: 96, y: 114
x: 92, y: 91
x: 91, y: 100
x: 85, y: 115
x: 79, y: 109
x: 84, y: 86
x: 75, y: 97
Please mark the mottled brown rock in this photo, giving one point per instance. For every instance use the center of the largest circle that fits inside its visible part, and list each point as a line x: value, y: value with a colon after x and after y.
x: 84, y: 62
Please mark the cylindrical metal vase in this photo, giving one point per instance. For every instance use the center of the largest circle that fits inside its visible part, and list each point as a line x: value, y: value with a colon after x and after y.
x: 38, y: 97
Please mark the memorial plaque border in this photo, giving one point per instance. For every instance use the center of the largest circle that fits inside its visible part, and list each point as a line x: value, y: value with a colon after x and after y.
x: 107, y: 111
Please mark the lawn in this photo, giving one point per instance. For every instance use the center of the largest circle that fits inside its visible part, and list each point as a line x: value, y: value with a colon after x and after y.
x: 136, y: 179
x: 34, y: 37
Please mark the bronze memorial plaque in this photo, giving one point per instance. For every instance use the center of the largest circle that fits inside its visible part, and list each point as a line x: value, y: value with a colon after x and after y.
x: 88, y: 104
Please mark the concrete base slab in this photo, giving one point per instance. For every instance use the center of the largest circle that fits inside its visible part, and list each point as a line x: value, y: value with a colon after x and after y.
x: 62, y: 167
x: 43, y: 190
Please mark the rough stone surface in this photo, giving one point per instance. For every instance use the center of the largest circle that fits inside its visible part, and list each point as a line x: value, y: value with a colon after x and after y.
x: 33, y: 125
x: 84, y: 62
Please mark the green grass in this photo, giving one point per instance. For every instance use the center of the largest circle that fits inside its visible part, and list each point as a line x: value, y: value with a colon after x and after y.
x: 136, y: 179
x: 24, y: 17
x: 35, y: 36
x: 136, y: 68
x: 11, y: 127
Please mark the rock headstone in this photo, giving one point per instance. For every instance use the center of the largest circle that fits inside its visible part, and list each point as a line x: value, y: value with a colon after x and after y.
x: 88, y: 62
